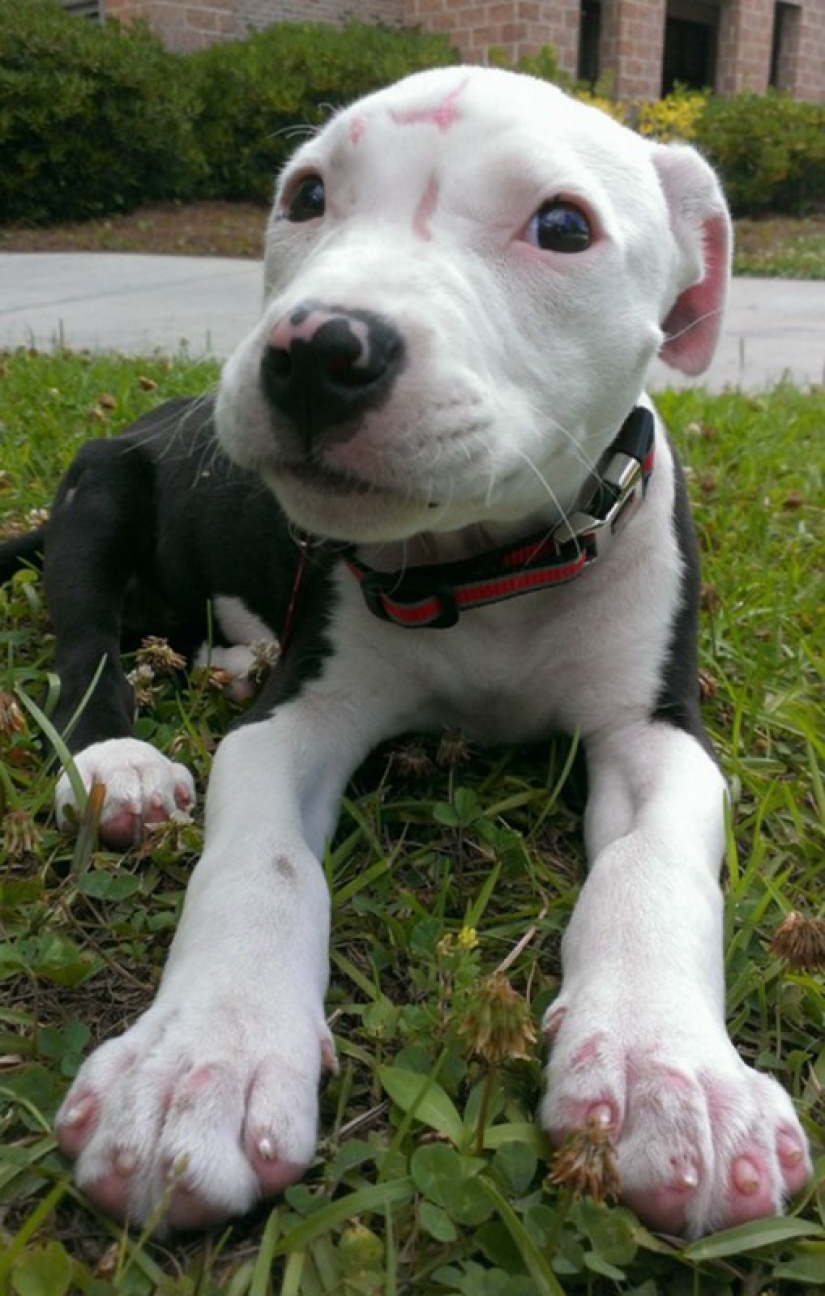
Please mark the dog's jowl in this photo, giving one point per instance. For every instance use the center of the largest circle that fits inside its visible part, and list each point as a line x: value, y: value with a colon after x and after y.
x: 439, y: 476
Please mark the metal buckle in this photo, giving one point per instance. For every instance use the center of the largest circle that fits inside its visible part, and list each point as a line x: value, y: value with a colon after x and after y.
x: 622, y: 479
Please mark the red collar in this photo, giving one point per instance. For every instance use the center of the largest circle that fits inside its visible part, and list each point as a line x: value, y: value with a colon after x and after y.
x: 433, y: 596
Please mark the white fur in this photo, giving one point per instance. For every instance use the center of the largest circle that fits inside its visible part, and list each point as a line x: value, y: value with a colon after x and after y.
x: 142, y: 785
x: 239, y: 624
x: 520, y: 367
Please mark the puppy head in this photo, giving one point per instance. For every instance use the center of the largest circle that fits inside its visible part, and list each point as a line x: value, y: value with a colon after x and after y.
x: 467, y: 275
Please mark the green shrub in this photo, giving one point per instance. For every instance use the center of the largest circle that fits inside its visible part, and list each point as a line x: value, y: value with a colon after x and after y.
x: 92, y: 118
x: 769, y: 150
x: 95, y: 119
x: 256, y: 95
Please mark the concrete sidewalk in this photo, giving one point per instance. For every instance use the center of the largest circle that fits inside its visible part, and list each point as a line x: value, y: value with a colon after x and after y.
x: 145, y: 304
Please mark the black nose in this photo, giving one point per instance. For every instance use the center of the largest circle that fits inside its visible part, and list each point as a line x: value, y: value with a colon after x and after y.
x: 323, y: 367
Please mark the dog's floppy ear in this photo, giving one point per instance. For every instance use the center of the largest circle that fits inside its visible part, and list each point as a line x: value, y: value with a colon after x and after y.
x: 702, y: 231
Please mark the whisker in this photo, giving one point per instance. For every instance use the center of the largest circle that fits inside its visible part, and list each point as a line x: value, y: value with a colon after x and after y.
x: 551, y: 494
x: 694, y: 323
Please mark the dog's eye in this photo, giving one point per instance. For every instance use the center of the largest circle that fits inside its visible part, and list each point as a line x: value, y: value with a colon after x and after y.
x: 307, y: 201
x: 560, y: 227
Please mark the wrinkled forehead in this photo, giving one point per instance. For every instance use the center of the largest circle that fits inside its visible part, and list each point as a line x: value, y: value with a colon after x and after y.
x: 479, y: 126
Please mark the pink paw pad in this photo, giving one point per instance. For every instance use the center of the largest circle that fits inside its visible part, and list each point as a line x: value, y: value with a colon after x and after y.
x: 122, y: 830
x: 273, y: 1173
x: 189, y: 1212
x: 664, y: 1209
x: 111, y: 1192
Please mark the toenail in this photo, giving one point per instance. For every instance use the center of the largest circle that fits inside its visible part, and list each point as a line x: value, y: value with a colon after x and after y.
x: 746, y: 1177
x: 266, y: 1149
x: 790, y: 1153
x: 553, y: 1019
x: 125, y: 1162
x: 329, y: 1057
x: 78, y: 1112
x: 601, y: 1115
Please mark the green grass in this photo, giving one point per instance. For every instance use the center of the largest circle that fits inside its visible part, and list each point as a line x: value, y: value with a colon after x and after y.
x: 780, y: 247
x: 433, y: 842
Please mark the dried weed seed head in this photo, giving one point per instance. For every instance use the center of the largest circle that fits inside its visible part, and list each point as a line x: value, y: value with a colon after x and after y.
x: 142, y: 680
x: 497, y: 1024
x: 453, y: 749
x: 21, y: 836
x: 265, y: 653
x: 157, y: 654
x: 800, y: 941
x: 413, y: 759
x: 586, y: 1163
x: 12, y: 719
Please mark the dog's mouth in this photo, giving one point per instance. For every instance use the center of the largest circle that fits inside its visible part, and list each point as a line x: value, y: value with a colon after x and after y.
x: 324, y: 480
x: 343, y: 506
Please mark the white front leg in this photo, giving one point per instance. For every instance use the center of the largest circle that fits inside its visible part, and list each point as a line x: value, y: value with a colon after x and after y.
x: 638, y: 1034
x: 210, y: 1100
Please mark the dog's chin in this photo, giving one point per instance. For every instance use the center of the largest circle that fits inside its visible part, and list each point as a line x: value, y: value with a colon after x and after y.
x: 338, y: 507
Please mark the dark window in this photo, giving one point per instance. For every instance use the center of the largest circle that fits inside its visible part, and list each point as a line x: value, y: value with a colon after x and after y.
x: 785, y: 38
x: 84, y: 8
x: 590, y: 29
x: 690, y: 55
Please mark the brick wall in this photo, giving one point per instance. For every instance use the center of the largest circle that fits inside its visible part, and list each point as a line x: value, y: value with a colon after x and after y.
x: 187, y: 25
x: 516, y: 27
x: 807, y: 79
x: 632, y: 33
x: 745, y: 43
x: 261, y: 13
x: 632, y: 41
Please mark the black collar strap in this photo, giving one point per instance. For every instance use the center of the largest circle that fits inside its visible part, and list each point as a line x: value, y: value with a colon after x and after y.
x: 433, y: 596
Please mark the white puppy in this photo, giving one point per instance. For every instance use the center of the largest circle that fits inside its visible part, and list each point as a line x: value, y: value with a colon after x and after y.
x: 467, y: 276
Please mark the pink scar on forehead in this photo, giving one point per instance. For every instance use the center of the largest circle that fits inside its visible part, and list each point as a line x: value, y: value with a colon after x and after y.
x: 356, y: 129
x: 444, y: 116
x: 424, y: 211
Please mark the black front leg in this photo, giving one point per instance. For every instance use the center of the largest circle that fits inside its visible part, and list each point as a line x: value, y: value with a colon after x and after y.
x: 101, y: 536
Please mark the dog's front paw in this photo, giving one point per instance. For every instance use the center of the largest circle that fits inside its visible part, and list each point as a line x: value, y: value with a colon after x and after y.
x: 142, y: 787
x: 702, y: 1141
x: 198, y: 1111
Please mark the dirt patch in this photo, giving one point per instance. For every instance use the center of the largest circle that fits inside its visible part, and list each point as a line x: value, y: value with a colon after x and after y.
x: 175, y: 229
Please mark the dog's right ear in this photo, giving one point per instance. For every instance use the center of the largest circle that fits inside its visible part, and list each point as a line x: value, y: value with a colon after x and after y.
x: 701, y: 227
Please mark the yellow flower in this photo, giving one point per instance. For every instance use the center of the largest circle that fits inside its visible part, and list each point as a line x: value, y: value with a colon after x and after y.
x: 468, y: 938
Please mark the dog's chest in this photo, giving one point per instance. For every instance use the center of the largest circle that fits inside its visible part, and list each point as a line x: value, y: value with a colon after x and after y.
x: 510, y: 673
